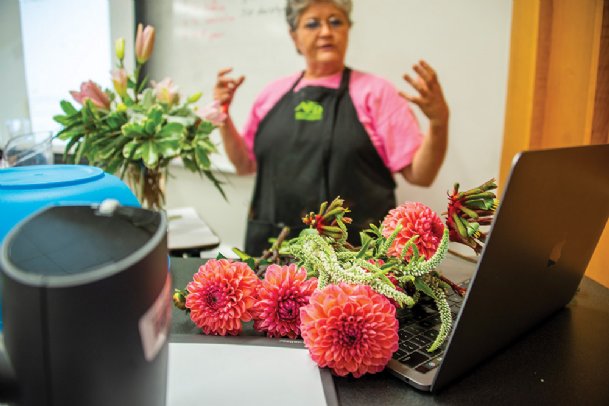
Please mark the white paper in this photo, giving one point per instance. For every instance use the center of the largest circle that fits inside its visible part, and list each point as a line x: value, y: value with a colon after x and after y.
x: 187, y: 230
x: 229, y: 374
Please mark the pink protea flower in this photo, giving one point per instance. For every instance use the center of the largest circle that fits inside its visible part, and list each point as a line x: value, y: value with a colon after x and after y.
x: 221, y: 296
x: 416, y: 219
x: 350, y: 329
x: 283, y: 292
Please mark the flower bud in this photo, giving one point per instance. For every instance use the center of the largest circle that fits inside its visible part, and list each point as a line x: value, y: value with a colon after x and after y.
x: 179, y: 299
x: 90, y: 90
x: 213, y: 113
x: 166, y: 92
x: 119, y: 48
x: 119, y: 80
x: 144, y: 43
x: 194, y: 98
x: 468, y: 210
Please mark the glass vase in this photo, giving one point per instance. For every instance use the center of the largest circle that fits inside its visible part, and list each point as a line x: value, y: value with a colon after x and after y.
x: 148, y: 185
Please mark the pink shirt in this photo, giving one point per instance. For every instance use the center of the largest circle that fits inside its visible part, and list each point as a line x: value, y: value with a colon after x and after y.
x: 386, y: 116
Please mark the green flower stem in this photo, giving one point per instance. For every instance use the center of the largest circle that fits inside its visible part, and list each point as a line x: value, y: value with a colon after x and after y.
x: 322, y: 207
x: 469, y: 212
x: 460, y: 227
x: 384, y: 247
x: 482, y: 195
x: 136, y: 81
x: 332, y: 212
x: 410, y: 244
x: 445, y: 317
x: 316, y: 253
x: 417, y: 268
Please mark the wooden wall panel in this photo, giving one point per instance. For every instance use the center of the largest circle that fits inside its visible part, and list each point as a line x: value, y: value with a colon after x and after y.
x: 521, y: 83
x: 558, y: 87
x: 570, y: 73
x: 598, y: 269
x: 599, y: 131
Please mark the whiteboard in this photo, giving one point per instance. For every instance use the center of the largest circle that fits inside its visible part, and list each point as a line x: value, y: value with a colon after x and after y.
x: 196, y: 38
x: 466, y: 41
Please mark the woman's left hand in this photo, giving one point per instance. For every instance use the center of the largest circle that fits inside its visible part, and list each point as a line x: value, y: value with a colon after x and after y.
x: 430, y: 98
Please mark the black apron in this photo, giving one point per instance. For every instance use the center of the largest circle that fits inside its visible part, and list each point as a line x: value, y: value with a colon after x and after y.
x: 310, y: 148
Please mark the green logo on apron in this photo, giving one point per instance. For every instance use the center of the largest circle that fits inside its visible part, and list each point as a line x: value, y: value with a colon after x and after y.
x: 309, y: 110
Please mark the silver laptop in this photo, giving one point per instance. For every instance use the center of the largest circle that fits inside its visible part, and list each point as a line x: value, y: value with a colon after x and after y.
x: 551, y: 216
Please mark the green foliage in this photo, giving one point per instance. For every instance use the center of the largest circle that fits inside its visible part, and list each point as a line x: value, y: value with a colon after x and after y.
x: 148, y: 133
x: 134, y: 126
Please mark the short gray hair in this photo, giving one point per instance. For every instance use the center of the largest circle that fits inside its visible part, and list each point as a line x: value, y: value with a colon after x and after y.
x: 294, y: 9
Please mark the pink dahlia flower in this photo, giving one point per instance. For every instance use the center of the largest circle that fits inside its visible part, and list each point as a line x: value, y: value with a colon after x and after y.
x: 283, y: 292
x: 350, y: 329
x: 416, y: 219
x: 221, y: 296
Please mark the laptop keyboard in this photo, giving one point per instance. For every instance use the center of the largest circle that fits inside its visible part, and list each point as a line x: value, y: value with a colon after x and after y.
x: 418, y: 329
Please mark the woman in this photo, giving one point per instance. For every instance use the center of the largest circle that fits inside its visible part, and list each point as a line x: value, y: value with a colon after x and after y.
x: 331, y: 131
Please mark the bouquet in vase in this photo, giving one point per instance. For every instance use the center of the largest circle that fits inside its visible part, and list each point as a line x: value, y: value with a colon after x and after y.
x: 136, y: 129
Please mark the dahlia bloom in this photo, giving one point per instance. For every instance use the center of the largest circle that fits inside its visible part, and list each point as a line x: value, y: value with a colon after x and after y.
x: 283, y: 292
x: 350, y: 329
x: 415, y: 219
x: 221, y: 296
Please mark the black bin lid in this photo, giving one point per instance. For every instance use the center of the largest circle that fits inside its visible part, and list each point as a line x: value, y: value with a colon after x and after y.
x: 68, y: 245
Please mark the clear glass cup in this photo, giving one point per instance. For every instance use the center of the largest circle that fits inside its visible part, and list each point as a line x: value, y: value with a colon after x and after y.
x: 29, y: 149
x: 17, y: 126
x: 12, y: 128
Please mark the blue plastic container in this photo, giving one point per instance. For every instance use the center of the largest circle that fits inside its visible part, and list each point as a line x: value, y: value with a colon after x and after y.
x: 27, y: 189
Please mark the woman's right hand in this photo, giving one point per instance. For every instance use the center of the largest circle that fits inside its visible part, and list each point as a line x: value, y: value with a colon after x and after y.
x: 225, y: 88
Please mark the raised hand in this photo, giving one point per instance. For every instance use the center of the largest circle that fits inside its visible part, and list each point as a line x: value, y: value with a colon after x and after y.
x: 430, y: 97
x: 226, y: 86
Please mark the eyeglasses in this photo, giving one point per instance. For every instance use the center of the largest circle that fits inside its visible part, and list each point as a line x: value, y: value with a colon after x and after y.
x: 314, y: 24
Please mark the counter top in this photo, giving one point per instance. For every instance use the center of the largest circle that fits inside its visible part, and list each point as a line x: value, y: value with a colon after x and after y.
x: 565, y: 360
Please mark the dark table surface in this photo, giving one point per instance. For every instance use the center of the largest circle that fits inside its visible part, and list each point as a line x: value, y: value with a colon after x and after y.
x: 565, y: 360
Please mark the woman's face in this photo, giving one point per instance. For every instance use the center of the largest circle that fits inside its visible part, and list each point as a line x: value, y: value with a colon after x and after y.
x: 322, y: 35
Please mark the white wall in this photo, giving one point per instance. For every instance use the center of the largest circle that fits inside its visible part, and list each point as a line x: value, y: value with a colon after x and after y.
x: 13, y: 103
x: 46, y: 50
x: 467, y: 41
